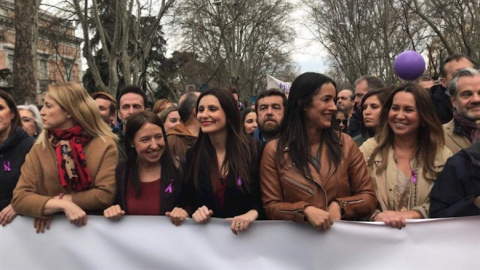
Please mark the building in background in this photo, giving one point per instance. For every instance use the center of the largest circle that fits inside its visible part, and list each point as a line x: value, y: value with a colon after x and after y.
x: 58, y: 49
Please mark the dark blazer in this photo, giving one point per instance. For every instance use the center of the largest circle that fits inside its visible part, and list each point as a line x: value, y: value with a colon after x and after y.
x: 457, y: 185
x: 237, y: 200
x: 169, y: 198
x: 441, y: 102
x: 12, y: 157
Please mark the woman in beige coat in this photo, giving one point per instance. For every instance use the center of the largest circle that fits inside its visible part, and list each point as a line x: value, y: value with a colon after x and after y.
x: 71, y: 168
x: 405, y: 156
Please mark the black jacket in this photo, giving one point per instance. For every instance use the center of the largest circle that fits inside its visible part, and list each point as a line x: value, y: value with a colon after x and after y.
x: 169, y: 197
x: 12, y: 156
x: 457, y: 185
x: 354, y: 123
x: 442, y: 104
x: 237, y: 200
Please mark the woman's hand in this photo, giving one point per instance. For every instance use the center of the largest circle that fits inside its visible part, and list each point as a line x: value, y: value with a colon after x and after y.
x: 241, y: 223
x: 74, y: 213
x: 114, y: 212
x: 177, y: 215
x: 202, y: 215
x: 335, y: 210
x: 7, y: 215
x: 392, y: 218
x: 320, y: 220
x: 40, y: 224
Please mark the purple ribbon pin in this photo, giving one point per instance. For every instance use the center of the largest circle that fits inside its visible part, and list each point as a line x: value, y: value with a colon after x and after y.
x: 239, y: 180
x: 6, y: 166
x: 169, y: 188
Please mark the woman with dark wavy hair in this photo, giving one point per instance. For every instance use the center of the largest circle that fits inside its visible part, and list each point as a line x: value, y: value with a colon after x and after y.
x: 150, y: 179
x: 223, y: 165
x: 405, y: 155
x: 370, y: 108
x: 313, y: 172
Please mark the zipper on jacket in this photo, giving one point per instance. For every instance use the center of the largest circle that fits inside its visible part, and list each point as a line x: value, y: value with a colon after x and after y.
x: 345, y: 203
x: 298, y: 185
x: 311, y: 179
x: 292, y: 212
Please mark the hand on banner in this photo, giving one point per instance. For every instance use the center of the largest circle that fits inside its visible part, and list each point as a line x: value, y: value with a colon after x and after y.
x: 241, y: 223
x: 74, y: 213
x: 392, y: 218
x: 202, y: 215
x: 177, y: 215
x: 320, y: 220
x: 335, y: 210
x: 7, y: 215
x: 40, y: 224
x: 114, y: 212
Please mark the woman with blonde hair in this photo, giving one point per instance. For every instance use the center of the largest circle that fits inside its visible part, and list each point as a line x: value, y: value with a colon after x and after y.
x: 71, y: 168
x: 405, y: 155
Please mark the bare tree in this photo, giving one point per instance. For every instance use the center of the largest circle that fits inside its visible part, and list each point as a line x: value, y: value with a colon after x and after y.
x: 126, y: 43
x: 240, y: 41
x: 364, y: 36
x: 24, y: 63
x: 455, y: 24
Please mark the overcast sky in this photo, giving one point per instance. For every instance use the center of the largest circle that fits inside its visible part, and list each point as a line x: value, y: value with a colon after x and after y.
x: 308, y: 54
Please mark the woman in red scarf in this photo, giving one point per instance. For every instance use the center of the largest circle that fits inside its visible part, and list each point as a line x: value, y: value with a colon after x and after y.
x: 71, y: 168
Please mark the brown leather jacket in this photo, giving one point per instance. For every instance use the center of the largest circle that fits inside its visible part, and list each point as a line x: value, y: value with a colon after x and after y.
x: 286, y: 191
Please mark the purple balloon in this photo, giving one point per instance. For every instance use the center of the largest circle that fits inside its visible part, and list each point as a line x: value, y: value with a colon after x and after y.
x: 409, y: 65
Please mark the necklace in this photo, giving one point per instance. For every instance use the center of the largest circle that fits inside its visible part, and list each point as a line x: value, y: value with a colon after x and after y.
x: 414, y: 174
x: 414, y: 181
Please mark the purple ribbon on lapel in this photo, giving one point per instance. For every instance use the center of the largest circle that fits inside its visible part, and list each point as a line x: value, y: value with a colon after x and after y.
x: 169, y: 188
x: 239, y: 180
x: 6, y: 166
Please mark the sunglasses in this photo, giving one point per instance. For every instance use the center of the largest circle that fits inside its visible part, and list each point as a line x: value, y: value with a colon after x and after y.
x: 344, y: 122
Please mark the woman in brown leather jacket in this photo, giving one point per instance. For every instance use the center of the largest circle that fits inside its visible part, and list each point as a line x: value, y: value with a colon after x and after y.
x: 313, y: 172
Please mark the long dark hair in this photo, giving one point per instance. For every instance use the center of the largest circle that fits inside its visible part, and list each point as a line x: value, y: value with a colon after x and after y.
x: 243, y: 115
x: 13, y: 109
x: 169, y: 163
x: 293, y: 131
x: 429, y: 135
x: 381, y: 94
x: 240, y: 149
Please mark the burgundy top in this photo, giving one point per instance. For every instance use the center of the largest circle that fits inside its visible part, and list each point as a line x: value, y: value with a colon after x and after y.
x: 148, y: 203
x: 220, y: 194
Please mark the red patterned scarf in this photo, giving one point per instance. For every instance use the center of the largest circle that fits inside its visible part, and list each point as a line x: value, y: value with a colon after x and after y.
x: 72, y: 168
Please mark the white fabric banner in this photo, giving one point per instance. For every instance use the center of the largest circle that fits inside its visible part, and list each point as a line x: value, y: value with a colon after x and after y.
x: 273, y: 82
x: 143, y: 242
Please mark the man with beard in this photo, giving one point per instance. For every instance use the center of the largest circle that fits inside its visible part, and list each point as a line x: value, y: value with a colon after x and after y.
x: 464, y: 90
x: 270, y: 107
x: 441, y: 99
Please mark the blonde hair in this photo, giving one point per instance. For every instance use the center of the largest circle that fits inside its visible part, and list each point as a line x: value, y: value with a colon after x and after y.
x: 75, y: 100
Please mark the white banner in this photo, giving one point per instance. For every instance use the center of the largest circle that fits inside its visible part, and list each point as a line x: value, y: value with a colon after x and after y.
x: 273, y: 82
x: 154, y: 243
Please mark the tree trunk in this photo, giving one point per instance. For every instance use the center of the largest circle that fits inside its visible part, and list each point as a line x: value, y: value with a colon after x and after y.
x: 25, y: 53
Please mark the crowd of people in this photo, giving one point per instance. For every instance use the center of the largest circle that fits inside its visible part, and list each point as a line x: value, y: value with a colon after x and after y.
x: 375, y: 153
